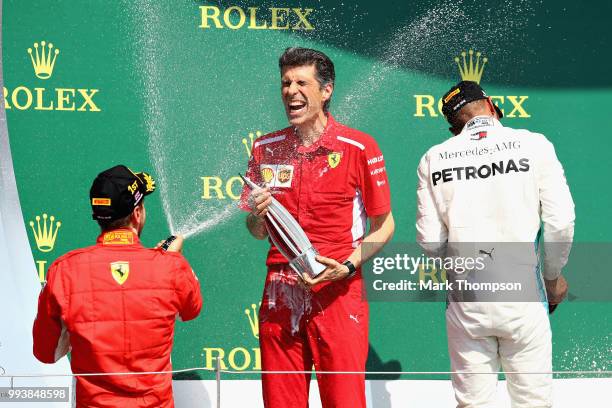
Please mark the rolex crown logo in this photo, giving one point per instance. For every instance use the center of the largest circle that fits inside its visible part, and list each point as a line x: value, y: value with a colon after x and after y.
x: 45, y: 236
x: 43, y: 59
x: 254, y: 319
x: 469, y: 69
x: 248, y: 143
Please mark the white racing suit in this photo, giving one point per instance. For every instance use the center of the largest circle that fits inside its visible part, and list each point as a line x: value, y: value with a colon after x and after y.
x: 493, y: 184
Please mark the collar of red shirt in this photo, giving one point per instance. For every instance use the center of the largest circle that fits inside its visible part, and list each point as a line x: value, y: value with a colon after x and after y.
x: 326, y: 140
x: 120, y: 236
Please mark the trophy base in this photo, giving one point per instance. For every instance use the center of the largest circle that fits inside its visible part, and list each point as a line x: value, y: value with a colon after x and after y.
x: 307, y: 264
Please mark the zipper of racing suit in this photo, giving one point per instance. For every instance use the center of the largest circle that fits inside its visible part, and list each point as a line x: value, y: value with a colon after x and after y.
x: 299, y: 187
x: 305, y: 300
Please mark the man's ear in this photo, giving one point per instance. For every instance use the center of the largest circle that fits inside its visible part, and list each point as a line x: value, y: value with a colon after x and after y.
x: 137, y: 214
x: 327, y: 91
x: 492, y: 107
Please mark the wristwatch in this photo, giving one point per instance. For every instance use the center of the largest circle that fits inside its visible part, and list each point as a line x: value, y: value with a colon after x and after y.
x: 351, y: 268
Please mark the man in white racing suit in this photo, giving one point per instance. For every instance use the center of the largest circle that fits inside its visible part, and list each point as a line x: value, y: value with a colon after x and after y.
x: 494, y: 184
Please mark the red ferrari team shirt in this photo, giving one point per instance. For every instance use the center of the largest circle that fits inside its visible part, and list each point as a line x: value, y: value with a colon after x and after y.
x: 330, y: 187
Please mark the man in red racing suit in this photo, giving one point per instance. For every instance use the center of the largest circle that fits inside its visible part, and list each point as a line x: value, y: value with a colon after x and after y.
x: 114, y: 304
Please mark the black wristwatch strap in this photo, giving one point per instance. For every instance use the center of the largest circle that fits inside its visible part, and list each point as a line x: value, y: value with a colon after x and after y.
x: 351, y: 268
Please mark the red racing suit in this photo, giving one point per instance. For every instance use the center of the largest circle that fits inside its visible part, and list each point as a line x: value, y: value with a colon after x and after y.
x: 118, y: 302
x: 330, y: 188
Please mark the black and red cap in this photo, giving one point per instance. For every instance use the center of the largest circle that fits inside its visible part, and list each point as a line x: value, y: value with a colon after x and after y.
x: 462, y: 94
x: 117, y: 191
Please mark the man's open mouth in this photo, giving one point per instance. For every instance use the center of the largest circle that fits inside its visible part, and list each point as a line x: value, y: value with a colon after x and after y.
x: 296, y: 107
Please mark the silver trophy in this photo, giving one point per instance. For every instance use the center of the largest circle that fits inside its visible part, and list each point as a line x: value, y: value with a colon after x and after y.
x: 290, y: 238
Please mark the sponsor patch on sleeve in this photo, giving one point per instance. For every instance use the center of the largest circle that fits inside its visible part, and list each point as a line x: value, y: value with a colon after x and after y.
x: 375, y: 160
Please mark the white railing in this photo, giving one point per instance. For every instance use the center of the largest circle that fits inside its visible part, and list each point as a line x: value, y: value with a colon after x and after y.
x: 219, y: 371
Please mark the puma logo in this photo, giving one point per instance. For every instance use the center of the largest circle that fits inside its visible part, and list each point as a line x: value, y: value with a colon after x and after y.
x: 489, y: 254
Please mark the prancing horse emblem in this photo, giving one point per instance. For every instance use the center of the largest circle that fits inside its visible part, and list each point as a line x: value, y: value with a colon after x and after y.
x: 120, y: 271
x: 333, y: 159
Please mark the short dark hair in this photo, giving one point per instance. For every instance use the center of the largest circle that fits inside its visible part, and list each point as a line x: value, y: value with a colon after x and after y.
x: 107, y: 225
x: 324, y: 67
x: 467, y: 112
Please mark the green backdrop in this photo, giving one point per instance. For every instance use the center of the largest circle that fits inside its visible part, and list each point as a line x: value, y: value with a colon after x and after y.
x: 178, y: 89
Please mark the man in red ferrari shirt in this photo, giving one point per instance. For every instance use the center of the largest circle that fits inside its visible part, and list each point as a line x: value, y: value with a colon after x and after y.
x: 332, y: 179
x: 115, y: 303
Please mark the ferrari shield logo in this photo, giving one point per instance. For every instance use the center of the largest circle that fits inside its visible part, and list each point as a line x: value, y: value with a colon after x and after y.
x: 333, y: 159
x: 120, y: 271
